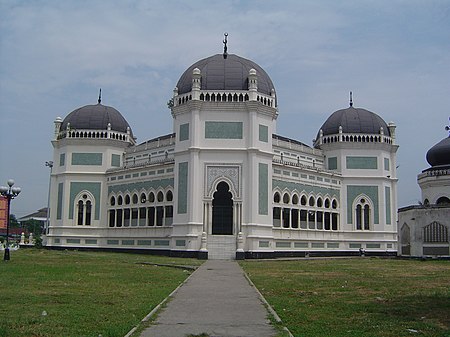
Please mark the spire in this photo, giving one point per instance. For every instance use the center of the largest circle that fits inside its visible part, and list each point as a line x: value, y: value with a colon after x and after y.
x: 100, y: 96
x: 351, y: 99
x: 225, y: 48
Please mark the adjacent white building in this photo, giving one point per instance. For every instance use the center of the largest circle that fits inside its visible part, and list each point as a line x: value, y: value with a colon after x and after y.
x: 222, y: 184
x: 424, y: 228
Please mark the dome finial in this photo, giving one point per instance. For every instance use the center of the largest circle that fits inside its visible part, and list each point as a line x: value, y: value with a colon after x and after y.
x: 225, y: 48
x: 100, y: 96
x: 351, y: 99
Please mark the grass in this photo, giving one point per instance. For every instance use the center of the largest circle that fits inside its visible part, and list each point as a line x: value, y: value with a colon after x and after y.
x: 357, y: 297
x: 93, y: 293
x: 71, y: 293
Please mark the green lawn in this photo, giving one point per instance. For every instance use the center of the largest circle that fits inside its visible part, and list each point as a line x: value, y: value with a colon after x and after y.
x: 70, y: 293
x: 357, y: 297
x: 92, y: 294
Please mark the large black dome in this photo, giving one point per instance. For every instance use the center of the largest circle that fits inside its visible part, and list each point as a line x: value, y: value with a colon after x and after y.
x: 96, y: 117
x: 354, y: 120
x: 219, y: 73
x: 439, y: 154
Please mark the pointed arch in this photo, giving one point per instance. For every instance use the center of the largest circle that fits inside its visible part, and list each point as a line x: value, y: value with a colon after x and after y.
x: 222, y: 210
x: 363, y: 209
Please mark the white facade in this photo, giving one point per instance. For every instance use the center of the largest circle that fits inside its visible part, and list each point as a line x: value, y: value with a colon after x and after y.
x: 223, y: 185
x: 424, y: 228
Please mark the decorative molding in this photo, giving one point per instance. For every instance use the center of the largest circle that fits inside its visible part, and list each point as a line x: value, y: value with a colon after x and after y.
x: 217, y: 172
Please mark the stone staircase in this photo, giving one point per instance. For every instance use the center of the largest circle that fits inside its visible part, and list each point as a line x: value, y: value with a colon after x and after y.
x: 221, y: 247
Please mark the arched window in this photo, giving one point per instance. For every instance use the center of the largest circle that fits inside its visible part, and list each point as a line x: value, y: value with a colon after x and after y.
x: 295, y: 199
x: 127, y: 199
x: 151, y: 197
x: 443, y: 201
x: 435, y: 232
x: 84, y: 205
x: 303, y: 200
x: 286, y: 198
x: 319, y: 202
x: 87, y: 219
x: 334, y: 204
x: 311, y: 201
x: 160, y: 197
x: 120, y: 200
x: 143, y: 198
x: 169, y: 196
x: 363, y: 214
x: 80, y: 213
x: 276, y: 198
x: 405, y: 240
x: 112, y: 201
x: 135, y: 198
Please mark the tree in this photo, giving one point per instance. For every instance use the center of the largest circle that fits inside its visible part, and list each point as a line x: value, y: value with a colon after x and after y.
x: 13, y: 223
x: 33, y: 226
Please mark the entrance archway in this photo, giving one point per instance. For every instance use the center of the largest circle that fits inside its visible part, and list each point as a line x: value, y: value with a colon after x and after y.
x: 222, y: 210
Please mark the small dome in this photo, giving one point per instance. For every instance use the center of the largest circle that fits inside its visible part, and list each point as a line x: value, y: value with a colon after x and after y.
x: 96, y: 117
x: 354, y: 120
x: 439, y: 154
x: 219, y: 73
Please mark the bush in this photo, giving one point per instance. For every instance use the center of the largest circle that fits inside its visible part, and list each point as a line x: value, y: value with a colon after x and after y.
x: 38, y: 241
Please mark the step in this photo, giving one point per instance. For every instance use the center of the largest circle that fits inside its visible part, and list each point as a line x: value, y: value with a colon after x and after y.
x: 221, y: 247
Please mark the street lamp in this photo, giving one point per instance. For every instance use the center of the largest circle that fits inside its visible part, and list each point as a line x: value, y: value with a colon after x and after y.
x: 9, y: 193
x: 47, y: 223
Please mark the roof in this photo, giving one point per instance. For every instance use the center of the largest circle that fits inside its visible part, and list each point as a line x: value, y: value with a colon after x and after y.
x: 40, y: 215
x: 220, y: 73
x: 439, y: 154
x: 354, y: 120
x: 289, y: 140
x: 96, y: 117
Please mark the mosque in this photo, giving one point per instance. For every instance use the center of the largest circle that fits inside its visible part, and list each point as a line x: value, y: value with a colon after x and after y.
x: 222, y: 184
x: 424, y: 228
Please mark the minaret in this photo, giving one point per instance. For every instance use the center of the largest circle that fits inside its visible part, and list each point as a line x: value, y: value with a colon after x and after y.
x: 58, y: 121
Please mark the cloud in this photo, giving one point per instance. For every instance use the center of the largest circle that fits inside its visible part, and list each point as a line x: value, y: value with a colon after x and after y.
x: 55, y: 55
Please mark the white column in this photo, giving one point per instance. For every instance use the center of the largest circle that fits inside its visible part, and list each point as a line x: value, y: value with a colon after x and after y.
x: 209, y: 218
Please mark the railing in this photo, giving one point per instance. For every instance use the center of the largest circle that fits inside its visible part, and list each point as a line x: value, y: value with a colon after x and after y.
x: 141, y: 163
x: 94, y: 134
x: 355, y: 138
x: 225, y: 96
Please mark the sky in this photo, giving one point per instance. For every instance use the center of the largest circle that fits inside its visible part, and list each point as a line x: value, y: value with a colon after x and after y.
x: 394, y: 55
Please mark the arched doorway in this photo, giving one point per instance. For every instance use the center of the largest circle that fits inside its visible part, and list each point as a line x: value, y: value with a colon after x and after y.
x: 222, y: 210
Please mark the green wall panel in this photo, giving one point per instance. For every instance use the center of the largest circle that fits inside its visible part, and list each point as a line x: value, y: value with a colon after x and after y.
x: 87, y: 158
x: 60, y: 201
x: 387, y: 193
x: 62, y: 159
x: 386, y: 164
x: 263, y: 133
x: 291, y: 186
x: 93, y: 188
x: 364, y: 163
x: 137, y: 186
x: 184, y: 131
x: 263, y: 186
x: 371, y: 191
x: 115, y: 160
x: 332, y: 163
x: 223, y: 130
x: 182, y: 187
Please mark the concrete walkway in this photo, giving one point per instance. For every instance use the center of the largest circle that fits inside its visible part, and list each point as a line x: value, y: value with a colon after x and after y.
x: 216, y: 300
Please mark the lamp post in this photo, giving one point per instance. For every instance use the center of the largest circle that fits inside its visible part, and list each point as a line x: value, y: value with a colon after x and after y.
x: 9, y: 193
x: 47, y: 223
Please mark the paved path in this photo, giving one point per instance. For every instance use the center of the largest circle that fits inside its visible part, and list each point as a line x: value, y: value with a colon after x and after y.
x: 217, y: 300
